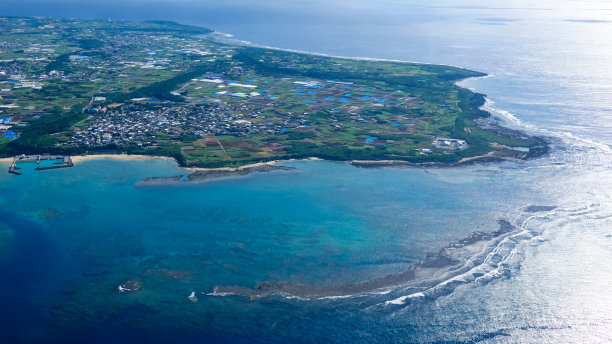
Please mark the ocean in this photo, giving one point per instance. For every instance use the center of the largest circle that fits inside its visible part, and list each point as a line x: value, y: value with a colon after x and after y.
x: 325, y: 252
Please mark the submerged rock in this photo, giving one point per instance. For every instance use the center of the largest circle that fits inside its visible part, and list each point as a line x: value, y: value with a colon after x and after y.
x: 212, y: 174
x: 7, y: 241
x: 539, y: 208
x: 130, y: 285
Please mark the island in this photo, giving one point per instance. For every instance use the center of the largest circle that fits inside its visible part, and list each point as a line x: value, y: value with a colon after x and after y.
x: 158, y: 88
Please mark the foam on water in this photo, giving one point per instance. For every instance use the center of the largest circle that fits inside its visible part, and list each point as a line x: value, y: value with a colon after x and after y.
x: 401, y: 300
x: 546, y: 281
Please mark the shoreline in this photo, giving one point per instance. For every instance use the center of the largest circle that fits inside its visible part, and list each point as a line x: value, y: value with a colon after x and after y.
x: 250, y: 166
x: 230, y: 39
x: 81, y: 158
x: 541, y: 148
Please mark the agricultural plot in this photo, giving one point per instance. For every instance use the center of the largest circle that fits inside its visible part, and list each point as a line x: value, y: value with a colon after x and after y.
x: 155, y: 88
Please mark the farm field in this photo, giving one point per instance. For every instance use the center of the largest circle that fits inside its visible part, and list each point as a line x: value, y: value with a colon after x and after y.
x: 161, y: 88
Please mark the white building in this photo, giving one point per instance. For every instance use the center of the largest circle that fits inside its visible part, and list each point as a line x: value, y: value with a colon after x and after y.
x: 29, y: 84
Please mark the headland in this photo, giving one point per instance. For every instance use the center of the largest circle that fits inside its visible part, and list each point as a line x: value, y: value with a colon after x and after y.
x: 155, y: 89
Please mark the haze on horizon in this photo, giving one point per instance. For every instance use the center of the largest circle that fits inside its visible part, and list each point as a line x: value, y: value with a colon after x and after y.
x: 272, y: 12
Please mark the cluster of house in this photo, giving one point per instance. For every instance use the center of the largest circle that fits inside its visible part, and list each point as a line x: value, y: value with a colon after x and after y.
x: 121, y: 54
x: 136, y: 124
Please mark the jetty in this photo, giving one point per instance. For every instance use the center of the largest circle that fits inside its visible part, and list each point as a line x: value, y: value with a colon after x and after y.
x: 13, y: 168
x: 66, y: 161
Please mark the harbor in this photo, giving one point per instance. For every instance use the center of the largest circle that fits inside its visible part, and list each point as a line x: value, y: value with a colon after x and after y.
x: 64, y: 161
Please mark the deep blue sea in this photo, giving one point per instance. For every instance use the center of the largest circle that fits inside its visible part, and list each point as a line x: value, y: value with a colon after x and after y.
x: 512, y: 252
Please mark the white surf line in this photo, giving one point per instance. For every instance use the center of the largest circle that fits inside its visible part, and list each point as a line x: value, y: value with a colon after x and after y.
x: 228, y: 38
x: 489, y: 268
x: 513, y: 239
x: 489, y: 106
x: 504, y: 114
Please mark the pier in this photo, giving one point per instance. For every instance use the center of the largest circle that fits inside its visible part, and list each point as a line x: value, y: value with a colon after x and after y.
x: 66, y: 162
x: 13, y: 168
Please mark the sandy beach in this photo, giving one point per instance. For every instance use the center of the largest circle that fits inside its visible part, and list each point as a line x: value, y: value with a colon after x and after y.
x: 80, y: 158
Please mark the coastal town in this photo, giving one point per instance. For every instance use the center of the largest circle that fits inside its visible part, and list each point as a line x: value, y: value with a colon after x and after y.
x: 161, y: 88
x: 135, y: 124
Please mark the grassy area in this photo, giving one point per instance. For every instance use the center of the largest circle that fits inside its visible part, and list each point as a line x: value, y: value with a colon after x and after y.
x: 296, y: 105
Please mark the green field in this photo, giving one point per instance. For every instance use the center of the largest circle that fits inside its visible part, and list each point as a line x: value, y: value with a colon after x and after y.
x: 208, y: 104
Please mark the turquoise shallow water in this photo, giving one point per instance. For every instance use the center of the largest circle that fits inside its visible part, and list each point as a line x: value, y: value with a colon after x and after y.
x: 322, y: 216
x: 79, y: 233
x: 71, y: 237
x: 318, y: 253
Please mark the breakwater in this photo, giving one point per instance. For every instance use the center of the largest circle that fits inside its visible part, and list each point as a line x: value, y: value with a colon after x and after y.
x: 66, y: 161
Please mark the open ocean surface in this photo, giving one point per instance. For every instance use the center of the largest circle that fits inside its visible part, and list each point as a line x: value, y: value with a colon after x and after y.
x: 500, y: 252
